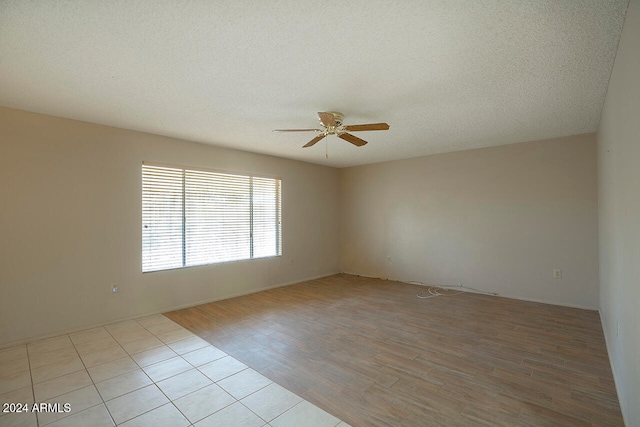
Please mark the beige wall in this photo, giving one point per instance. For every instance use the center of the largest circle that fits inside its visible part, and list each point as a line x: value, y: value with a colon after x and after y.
x: 619, y: 217
x: 70, y: 225
x: 498, y: 219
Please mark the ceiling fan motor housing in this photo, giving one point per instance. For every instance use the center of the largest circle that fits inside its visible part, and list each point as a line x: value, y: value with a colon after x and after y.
x: 338, y: 117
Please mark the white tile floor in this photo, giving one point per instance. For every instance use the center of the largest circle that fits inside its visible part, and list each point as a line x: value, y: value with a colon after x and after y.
x: 144, y: 372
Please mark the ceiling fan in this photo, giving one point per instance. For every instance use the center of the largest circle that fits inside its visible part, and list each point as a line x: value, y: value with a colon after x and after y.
x: 331, y: 121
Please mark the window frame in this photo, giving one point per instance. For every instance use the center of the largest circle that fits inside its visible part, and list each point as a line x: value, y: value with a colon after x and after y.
x: 251, y: 195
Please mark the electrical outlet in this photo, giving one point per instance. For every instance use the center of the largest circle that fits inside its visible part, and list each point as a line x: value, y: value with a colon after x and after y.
x: 557, y: 273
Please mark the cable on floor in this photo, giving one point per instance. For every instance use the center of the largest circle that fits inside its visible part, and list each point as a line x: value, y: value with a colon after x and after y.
x: 460, y: 288
x: 436, y: 292
x: 433, y: 290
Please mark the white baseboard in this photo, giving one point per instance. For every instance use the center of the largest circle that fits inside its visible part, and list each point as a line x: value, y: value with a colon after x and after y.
x: 613, y: 368
x: 479, y: 291
x: 151, y: 313
x: 561, y: 304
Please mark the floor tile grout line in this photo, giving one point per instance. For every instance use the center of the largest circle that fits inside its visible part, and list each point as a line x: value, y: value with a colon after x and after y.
x: 196, y: 368
x: 33, y: 388
x: 155, y: 383
x: 242, y: 403
x: 85, y: 369
x: 171, y: 401
x: 104, y: 402
x: 212, y: 381
x: 91, y: 378
x: 272, y: 382
x: 143, y: 371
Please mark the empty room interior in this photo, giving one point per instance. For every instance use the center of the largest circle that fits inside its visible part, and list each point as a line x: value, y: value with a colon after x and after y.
x: 365, y: 213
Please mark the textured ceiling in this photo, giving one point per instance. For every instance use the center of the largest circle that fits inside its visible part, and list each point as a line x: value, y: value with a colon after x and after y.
x: 446, y: 75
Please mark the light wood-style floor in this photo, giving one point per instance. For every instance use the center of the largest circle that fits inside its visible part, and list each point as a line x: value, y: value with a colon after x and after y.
x: 373, y: 354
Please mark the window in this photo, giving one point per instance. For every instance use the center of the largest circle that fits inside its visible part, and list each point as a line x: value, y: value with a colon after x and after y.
x: 194, y: 217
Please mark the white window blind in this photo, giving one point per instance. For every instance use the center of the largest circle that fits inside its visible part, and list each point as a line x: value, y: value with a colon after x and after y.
x: 195, y: 217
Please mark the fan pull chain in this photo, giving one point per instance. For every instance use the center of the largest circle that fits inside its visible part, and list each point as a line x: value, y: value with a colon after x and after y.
x: 326, y: 148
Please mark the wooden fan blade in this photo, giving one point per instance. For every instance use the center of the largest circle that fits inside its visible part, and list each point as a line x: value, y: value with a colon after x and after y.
x: 327, y: 119
x: 371, y: 126
x: 352, y: 139
x: 313, y: 141
x: 297, y: 130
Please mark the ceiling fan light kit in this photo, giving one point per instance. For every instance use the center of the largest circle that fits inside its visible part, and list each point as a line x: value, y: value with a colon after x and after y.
x: 332, y: 121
